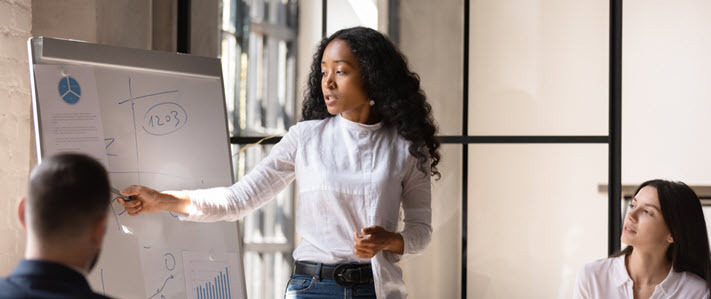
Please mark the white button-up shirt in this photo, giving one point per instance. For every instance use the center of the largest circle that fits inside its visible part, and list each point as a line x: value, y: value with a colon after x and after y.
x: 608, y: 278
x: 349, y: 176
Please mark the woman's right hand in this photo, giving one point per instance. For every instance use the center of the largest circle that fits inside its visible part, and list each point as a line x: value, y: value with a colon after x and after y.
x: 143, y: 200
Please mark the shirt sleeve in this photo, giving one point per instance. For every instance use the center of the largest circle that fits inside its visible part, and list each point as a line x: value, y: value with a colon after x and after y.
x: 416, y: 200
x: 253, y: 191
x: 581, y: 290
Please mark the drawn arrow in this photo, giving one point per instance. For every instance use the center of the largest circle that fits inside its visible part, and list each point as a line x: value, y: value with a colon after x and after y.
x: 161, y: 288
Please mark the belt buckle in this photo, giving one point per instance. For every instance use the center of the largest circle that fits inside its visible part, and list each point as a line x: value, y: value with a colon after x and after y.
x: 340, y: 279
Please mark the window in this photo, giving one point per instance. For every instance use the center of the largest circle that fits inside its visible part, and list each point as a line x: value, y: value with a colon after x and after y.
x: 258, y: 59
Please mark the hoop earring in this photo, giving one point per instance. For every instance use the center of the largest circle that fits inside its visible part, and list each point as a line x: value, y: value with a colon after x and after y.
x: 372, y: 103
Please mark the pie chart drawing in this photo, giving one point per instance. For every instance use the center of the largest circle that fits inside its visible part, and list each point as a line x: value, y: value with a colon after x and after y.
x: 69, y: 90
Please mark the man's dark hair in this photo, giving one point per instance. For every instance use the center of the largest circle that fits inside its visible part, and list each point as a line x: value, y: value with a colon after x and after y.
x: 67, y: 192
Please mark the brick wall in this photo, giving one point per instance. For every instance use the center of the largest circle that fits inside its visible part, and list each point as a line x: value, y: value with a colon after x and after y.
x: 15, y: 125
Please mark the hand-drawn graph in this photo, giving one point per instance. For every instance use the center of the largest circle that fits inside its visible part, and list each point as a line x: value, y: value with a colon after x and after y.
x: 170, y: 263
x: 210, y: 275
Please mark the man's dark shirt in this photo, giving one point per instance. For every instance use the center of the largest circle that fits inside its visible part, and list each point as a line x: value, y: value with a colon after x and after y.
x: 42, y: 279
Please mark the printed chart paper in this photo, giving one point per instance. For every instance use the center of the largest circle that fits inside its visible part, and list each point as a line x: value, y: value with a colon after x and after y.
x: 70, y: 118
x: 211, y: 275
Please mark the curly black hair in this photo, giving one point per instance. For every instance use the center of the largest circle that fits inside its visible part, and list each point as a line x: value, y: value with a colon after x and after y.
x: 387, y: 79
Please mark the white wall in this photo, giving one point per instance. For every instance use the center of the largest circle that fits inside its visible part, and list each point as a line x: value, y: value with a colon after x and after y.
x: 15, y: 156
x: 666, y: 95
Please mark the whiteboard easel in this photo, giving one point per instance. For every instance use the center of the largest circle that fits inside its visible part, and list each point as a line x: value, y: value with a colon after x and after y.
x: 165, y: 127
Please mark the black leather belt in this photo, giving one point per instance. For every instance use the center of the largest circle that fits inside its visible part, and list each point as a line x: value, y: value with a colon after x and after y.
x: 346, y: 275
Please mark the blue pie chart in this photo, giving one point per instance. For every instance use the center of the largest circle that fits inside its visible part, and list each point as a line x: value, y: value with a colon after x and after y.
x: 69, y: 90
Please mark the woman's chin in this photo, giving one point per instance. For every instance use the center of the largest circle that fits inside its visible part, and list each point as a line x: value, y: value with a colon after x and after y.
x: 332, y: 110
x: 625, y: 239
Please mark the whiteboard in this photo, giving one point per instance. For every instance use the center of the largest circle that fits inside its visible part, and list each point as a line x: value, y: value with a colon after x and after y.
x: 165, y: 127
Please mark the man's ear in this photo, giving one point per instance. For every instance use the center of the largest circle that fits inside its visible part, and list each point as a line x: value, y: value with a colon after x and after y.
x: 670, y: 239
x: 21, y: 212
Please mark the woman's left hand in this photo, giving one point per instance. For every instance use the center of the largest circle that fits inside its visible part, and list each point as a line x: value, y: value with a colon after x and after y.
x: 375, y: 239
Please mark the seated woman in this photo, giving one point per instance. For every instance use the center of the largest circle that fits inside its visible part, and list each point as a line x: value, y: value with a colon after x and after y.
x: 668, y: 254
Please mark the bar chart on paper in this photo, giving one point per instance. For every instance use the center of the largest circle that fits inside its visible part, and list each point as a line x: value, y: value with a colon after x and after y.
x: 210, y: 275
x: 219, y: 288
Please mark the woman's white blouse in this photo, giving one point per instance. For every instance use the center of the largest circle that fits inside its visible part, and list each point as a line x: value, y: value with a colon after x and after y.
x: 608, y: 278
x: 349, y: 176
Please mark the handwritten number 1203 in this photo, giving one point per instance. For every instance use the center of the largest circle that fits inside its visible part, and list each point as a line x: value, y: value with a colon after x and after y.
x: 164, y: 118
x: 167, y: 119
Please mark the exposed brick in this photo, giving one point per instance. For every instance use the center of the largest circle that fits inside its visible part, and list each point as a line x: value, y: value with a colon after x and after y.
x: 15, y: 27
x: 6, y: 15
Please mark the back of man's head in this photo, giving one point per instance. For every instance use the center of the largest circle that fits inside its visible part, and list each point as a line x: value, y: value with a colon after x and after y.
x: 67, y: 194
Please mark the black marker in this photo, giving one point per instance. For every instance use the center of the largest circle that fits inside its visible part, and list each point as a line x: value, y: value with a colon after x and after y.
x: 126, y: 198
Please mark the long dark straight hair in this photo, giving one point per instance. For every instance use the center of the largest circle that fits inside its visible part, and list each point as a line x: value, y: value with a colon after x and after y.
x: 681, y: 209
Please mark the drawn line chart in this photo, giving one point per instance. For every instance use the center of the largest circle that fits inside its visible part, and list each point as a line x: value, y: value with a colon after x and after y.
x: 169, y: 260
x: 161, y: 288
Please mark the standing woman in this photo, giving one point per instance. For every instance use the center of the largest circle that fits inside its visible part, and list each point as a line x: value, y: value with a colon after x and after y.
x: 366, y: 146
x: 668, y: 254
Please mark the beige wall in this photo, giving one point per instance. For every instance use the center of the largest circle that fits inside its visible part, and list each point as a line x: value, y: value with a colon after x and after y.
x: 15, y: 156
x: 125, y: 23
x: 74, y: 19
x: 535, y: 218
x: 538, y: 67
x: 204, y: 29
x: 128, y: 23
x: 117, y: 23
x: 432, y: 38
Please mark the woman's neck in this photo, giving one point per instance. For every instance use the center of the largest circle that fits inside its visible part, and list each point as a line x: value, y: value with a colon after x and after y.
x: 363, y: 116
x: 647, y: 267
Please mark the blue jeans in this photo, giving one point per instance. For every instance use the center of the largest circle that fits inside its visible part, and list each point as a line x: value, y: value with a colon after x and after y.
x: 305, y: 287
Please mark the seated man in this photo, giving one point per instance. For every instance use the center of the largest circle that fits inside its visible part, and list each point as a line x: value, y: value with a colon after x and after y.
x: 65, y: 217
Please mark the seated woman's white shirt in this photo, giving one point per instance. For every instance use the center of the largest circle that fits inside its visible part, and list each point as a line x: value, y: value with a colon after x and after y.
x: 349, y: 176
x: 608, y: 278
